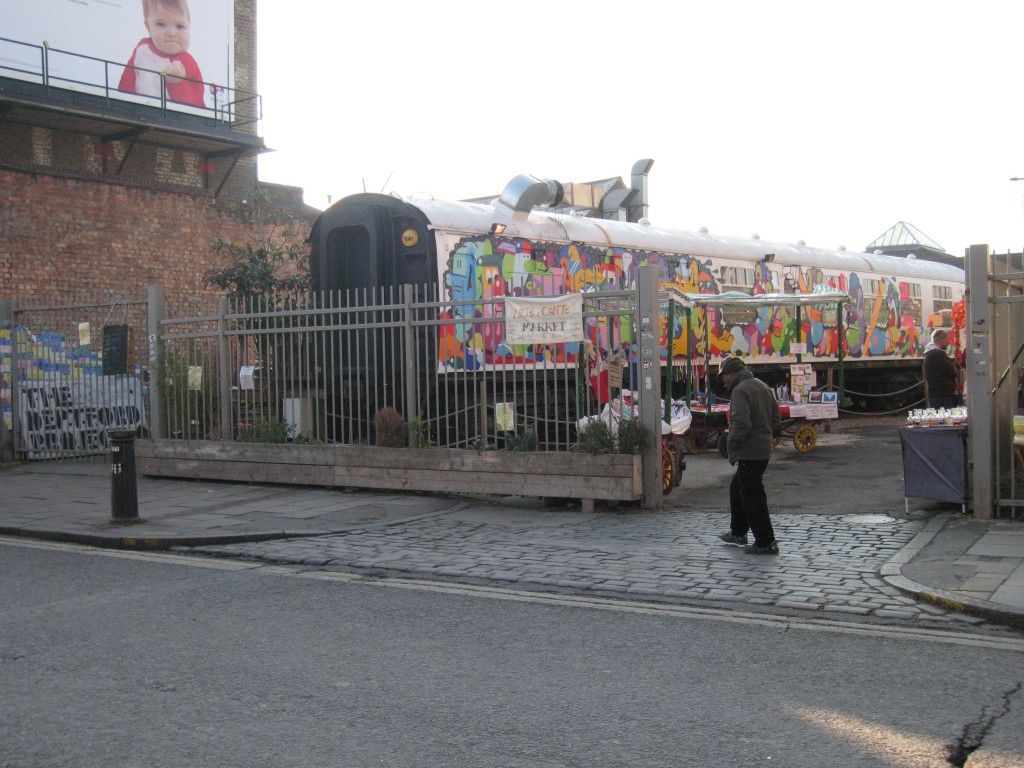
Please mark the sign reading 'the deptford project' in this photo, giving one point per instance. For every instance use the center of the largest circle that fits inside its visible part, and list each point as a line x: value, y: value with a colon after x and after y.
x: 549, y: 320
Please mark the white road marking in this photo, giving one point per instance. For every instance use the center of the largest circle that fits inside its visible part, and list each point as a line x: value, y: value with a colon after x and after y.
x: 539, y: 598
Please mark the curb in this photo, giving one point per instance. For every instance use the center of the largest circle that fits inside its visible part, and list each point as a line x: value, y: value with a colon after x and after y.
x: 892, y: 572
x: 169, y: 541
x: 152, y: 543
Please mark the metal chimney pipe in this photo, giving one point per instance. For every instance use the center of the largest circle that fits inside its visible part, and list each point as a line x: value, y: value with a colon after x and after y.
x: 638, y: 181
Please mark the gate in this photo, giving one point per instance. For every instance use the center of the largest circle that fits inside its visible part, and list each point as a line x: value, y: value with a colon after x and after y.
x: 71, y: 370
x: 995, y: 376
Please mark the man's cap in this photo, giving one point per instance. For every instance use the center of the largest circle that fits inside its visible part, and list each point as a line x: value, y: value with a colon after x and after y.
x: 939, y: 335
x: 731, y: 365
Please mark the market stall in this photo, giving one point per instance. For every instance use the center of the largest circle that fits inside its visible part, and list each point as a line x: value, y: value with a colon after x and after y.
x: 935, y: 463
x: 802, y: 406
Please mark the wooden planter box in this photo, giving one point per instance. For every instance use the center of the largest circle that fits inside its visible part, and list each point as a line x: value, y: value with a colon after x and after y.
x: 581, y: 476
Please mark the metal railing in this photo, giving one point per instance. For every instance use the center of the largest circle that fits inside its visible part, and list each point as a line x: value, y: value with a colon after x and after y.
x: 55, y: 68
x: 352, y: 368
x: 368, y: 367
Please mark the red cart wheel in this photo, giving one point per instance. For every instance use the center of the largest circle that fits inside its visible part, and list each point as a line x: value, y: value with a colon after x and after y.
x: 668, y: 470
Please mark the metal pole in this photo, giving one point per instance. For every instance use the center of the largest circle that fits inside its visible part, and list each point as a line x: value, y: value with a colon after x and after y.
x: 667, y: 394
x: 979, y: 382
x: 157, y: 373
x: 227, y: 430
x: 689, y: 358
x: 799, y: 323
x: 7, y: 433
x: 841, y: 399
x: 649, y: 374
x: 411, y: 358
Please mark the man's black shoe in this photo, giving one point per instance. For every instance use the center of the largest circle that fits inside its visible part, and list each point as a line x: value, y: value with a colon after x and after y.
x: 731, y: 538
x: 768, y: 549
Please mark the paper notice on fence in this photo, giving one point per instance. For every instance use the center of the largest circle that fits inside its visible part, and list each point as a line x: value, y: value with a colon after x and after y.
x: 245, y: 377
x: 505, y: 417
x: 195, y: 377
x: 549, y: 320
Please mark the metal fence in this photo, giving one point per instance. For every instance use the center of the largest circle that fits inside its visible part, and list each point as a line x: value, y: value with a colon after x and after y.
x: 372, y: 368
x: 71, y: 370
x: 357, y: 368
x: 49, y: 68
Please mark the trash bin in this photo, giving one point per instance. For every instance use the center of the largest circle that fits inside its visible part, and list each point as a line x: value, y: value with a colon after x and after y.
x: 124, y: 492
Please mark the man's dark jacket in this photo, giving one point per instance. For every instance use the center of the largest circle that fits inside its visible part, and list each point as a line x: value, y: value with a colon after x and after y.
x: 753, y: 418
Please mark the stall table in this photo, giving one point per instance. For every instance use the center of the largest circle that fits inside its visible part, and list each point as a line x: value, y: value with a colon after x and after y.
x: 934, y: 464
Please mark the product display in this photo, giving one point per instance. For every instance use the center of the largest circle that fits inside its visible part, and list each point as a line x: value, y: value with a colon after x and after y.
x: 937, y: 417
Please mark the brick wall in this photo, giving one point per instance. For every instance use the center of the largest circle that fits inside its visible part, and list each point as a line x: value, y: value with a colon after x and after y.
x: 72, y: 237
x: 79, y: 215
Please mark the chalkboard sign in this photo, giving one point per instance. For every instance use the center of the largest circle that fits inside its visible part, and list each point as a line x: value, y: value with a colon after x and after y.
x: 115, y: 350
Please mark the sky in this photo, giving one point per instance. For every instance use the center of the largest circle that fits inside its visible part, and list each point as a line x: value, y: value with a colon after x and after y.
x: 794, y: 119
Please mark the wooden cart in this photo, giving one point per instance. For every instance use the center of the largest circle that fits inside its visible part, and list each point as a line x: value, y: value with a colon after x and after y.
x: 710, y: 429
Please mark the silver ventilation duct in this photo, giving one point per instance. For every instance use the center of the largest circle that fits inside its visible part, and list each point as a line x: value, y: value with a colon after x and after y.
x: 525, y: 192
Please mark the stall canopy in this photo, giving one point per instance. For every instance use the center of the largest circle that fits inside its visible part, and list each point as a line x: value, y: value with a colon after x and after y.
x: 795, y: 300
x: 737, y: 299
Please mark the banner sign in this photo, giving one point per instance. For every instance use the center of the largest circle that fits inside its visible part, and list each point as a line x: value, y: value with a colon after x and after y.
x: 549, y: 320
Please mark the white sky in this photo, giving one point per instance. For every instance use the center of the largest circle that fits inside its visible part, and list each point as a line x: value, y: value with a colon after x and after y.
x: 795, y: 119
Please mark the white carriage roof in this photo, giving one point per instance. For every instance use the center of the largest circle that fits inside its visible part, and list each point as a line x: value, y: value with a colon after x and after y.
x: 475, y: 218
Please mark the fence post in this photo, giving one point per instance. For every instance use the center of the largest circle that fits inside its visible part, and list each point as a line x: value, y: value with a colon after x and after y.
x: 157, y: 371
x: 411, y: 358
x: 227, y: 431
x: 649, y: 375
x: 7, y: 434
x: 979, y: 382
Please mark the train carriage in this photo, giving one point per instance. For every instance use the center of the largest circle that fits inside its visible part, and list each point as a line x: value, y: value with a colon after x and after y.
x: 474, y: 252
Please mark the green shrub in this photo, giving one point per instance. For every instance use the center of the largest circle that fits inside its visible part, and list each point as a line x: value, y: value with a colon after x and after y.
x: 523, y: 441
x: 419, y: 434
x: 265, y: 431
x: 632, y: 437
x: 596, y: 438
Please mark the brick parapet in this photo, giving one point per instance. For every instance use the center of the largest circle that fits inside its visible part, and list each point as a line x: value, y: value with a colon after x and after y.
x: 64, y: 236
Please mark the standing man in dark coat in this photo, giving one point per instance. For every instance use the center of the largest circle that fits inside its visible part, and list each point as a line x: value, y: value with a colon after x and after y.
x: 941, y: 374
x: 754, y: 419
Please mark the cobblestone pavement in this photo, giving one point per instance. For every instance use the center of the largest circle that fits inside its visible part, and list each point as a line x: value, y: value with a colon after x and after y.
x: 828, y: 566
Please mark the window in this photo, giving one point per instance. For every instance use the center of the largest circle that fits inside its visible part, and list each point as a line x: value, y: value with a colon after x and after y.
x: 942, y: 304
x: 870, y: 297
x: 738, y: 279
x: 911, y: 306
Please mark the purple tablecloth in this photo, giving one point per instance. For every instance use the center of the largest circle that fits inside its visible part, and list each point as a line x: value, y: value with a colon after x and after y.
x: 935, y: 463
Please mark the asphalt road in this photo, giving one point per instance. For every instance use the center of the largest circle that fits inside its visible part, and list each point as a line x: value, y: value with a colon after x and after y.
x: 114, y: 658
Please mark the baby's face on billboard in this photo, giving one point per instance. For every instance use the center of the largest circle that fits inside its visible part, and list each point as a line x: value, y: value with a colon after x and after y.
x: 168, y: 29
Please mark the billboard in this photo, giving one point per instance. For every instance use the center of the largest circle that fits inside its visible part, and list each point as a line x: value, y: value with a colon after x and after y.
x: 116, y: 48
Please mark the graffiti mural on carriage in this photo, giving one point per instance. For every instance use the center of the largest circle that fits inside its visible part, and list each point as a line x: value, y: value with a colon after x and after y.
x: 486, y: 267
x: 65, y: 403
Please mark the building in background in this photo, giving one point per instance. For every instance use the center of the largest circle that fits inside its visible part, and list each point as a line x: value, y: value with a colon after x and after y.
x: 107, y: 188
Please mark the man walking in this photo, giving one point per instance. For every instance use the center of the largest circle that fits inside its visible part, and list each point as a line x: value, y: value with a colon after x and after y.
x: 753, y: 420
